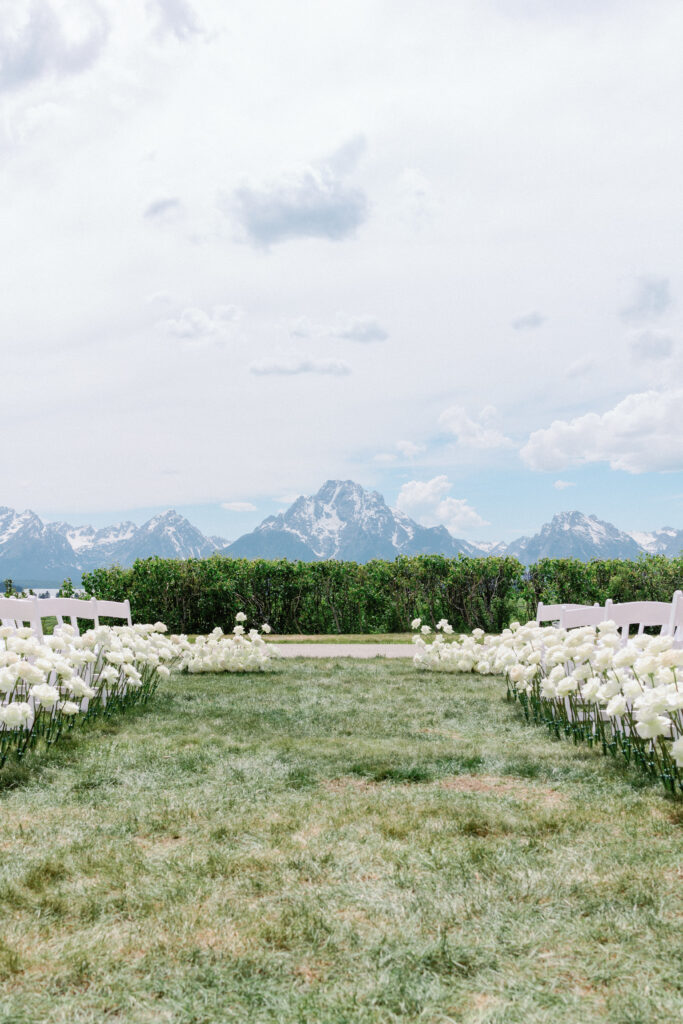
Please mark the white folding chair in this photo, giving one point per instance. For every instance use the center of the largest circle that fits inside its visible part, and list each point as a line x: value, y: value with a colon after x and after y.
x: 551, y: 612
x: 20, y: 611
x: 641, y: 614
x: 113, y: 610
x: 574, y: 616
x: 676, y: 621
x: 72, y: 608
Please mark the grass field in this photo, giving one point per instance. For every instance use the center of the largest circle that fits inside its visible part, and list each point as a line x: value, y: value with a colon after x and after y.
x: 336, y: 842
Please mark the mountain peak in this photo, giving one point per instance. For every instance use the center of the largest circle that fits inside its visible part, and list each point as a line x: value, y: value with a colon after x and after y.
x: 575, y: 534
x: 342, y: 520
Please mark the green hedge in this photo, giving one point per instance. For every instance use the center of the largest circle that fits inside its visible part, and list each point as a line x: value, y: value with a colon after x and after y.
x: 196, y: 595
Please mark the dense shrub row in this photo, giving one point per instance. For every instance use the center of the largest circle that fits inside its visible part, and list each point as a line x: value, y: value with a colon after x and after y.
x: 196, y: 595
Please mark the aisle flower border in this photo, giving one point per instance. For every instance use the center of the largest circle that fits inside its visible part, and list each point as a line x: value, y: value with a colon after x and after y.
x: 49, y: 684
x: 588, y: 684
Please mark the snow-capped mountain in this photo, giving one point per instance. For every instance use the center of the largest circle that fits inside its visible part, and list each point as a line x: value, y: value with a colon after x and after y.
x: 33, y: 553
x: 342, y: 521
x: 95, y: 547
x: 667, y: 541
x: 575, y: 535
x: 32, y: 549
x: 168, y: 535
x: 346, y: 522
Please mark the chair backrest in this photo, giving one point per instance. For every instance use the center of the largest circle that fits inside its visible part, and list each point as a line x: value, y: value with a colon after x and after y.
x: 114, y: 610
x: 72, y: 608
x: 574, y: 616
x: 641, y: 614
x: 551, y: 612
x: 19, y: 611
x: 676, y: 620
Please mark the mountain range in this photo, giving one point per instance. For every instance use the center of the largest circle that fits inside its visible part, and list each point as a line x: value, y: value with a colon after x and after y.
x: 38, y: 554
x: 342, y: 521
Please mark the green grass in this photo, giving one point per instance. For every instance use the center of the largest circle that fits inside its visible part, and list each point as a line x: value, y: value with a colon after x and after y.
x: 336, y: 842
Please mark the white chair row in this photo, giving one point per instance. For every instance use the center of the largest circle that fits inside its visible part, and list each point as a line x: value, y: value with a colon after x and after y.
x: 662, y: 615
x: 30, y: 611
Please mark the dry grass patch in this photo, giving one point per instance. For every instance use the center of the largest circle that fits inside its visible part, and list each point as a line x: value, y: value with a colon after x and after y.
x: 499, y: 785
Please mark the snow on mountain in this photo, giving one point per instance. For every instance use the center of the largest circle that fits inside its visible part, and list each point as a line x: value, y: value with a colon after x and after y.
x: 34, y: 553
x: 31, y: 550
x: 168, y: 535
x: 346, y: 522
x: 666, y: 541
x: 86, y: 538
x: 575, y: 535
x: 491, y: 547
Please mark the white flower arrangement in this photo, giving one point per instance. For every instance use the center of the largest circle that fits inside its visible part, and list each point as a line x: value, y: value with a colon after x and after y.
x: 218, y: 652
x: 626, y: 697
x: 49, y: 683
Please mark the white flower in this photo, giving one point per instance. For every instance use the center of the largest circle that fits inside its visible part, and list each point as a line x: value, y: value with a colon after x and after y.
x: 651, y: 728
x: 15, y: 714
x: 240, y: 617
x: 425, y: 629
x: 265, y: 628
x: 45, y: 694
x: 416, y: 623
x: 617, y: 706
x: 79, y: 688
x: 68, y: 707
x: 677, y: 751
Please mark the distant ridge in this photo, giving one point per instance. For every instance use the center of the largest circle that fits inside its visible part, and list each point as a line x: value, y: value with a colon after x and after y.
x: 575, y: 535
x: 38, y: 554
x: 342, y: 520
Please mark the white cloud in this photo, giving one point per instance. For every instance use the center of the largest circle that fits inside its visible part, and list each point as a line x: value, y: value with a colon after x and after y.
x: 580, y: 367
x: 641, y: 434
x: 238, y: 506
x: 39, y: 38
x: 650, y: 298
x: 528, y: 322
x: 293, y: 367
x: 409, y: 449
x: 562, y: 485
x: 429, y: 502
x: 362, y: 328
x: 312, y: 202
x: 165, y: 210
x: 481, y: 433
x: 193, y: 323
x: 651, y: 345
x: 176, y: 17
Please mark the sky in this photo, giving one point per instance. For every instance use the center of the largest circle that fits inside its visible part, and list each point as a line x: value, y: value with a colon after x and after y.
x: 431, y: 248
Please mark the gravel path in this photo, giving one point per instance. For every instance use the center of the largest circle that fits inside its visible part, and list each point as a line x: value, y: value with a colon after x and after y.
x: 344, y: 650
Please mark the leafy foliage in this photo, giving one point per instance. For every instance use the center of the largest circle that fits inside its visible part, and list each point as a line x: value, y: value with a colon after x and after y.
x: 195, y: 595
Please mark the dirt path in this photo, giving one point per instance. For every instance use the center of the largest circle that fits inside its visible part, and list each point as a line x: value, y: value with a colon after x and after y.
x: 344, y: 650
